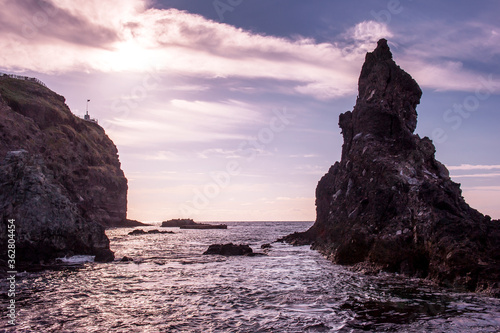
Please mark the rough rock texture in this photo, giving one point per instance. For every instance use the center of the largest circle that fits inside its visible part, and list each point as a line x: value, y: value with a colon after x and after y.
x: 149, y: 232
x: 229, y: 249
x: 48, y: 225
x: 177, y: 223
x: 190, y: 224
x: 66, y: 187
x: 388, y: 201
x: 79, y: 153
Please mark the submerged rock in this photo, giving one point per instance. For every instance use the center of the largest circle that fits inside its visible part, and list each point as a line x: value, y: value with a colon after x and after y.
x: 389, y: 202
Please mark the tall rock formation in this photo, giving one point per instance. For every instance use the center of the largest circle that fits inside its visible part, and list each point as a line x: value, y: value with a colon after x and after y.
x: 63, y: 178
x: 389, y: 202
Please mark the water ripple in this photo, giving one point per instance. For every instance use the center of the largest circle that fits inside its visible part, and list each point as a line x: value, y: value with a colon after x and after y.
x: 171, y: 287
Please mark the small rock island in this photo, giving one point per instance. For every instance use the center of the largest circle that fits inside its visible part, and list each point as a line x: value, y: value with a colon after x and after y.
x: 190, y: 224
x: 389, y: 203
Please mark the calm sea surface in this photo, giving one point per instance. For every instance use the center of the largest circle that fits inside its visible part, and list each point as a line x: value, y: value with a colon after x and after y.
x: 171, y: 287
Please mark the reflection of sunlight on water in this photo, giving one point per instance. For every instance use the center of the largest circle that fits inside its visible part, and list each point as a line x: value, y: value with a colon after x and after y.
x: 171, y: 286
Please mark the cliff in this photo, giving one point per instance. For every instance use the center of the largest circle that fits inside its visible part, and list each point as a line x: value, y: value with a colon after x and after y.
x: 65, y: 175
x: 389, y: 203
x: 47, y: 224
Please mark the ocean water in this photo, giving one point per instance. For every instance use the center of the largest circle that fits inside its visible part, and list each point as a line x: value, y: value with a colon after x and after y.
x: 171, y: 287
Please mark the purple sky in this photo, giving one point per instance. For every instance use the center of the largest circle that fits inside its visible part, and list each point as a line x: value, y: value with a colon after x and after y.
x: 228, y: 110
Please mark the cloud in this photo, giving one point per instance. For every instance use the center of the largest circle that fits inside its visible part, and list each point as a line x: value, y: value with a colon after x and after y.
x: 361, y: 38
x: 233, y: 153
x: 478, y: 171
x: 436, y: 60
x: 130, y: 35
x: 44, y: 22
x: 309, y: 169
x: 482, y: 188
x: 182, y: 121
x: 161, y: 155
x: 473, y: 167
x: 477, y: 175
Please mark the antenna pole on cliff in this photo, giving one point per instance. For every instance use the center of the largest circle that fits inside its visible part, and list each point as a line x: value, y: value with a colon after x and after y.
x: 87, y: 109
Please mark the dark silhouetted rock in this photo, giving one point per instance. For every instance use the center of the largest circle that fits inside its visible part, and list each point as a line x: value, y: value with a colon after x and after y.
x: 60, y: 176
x: 149, y: 232
x: 190, y: 224
x: 79, y: 154
x: 204, y: 226
x: 229, y: 250
x: 126, y: 259
x: 48, y: 224
x: 389, y: 202
x: 133, y: 223
x: 175, y: 223
x: 266, y: 246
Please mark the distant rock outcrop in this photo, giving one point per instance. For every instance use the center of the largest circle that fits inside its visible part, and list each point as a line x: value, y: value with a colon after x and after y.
x: 175, y: 223
x: 389, y: 202
x: 64, y: 154
x: 190, y: 224
x: 149, y: 232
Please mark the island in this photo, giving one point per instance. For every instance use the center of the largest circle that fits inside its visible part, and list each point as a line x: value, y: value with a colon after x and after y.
x: 190, y: 224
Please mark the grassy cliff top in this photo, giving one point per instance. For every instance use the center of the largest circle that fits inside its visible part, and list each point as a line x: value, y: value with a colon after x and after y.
x: 34, y: 101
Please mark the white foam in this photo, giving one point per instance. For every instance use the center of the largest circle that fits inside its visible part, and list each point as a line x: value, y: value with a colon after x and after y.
x: 78, y: 259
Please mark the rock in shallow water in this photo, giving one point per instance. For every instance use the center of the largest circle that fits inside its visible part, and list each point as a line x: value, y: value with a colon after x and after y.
x: 149, y: 232
x: 389, y: 202
x: 229, y: 249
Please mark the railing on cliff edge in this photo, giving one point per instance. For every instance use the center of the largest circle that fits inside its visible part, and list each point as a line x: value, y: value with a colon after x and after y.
x: 34, y: 79
x: 25, y: 78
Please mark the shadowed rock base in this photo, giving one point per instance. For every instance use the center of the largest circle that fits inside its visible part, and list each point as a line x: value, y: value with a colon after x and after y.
x: 47, y: 224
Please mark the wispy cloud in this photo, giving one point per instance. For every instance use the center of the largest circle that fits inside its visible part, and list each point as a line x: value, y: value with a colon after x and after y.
x: 183, y: 121
x: 475, y: 171
x: 129, y: 35
x: 477, y: 175
x: 436, y: 60
x: 473, y: 167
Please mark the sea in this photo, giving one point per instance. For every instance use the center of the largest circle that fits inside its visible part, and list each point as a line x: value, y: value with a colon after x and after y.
x: 170, y: 286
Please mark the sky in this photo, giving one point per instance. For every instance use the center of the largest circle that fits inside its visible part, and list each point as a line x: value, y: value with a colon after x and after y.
x: 227, y: 110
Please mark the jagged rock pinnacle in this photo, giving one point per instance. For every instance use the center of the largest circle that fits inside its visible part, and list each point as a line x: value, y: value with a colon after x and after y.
x: 389, y: 202
x: 387, y: 98
x: 382, y: 51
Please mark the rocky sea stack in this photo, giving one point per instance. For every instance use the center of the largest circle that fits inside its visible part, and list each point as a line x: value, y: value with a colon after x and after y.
x: 389, y: 203
x: 60, y: 177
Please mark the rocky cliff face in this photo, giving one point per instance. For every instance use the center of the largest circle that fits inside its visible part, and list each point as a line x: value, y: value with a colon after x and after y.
x: 76, y: 158
x: 47, y: 223
x: 389, y: 202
